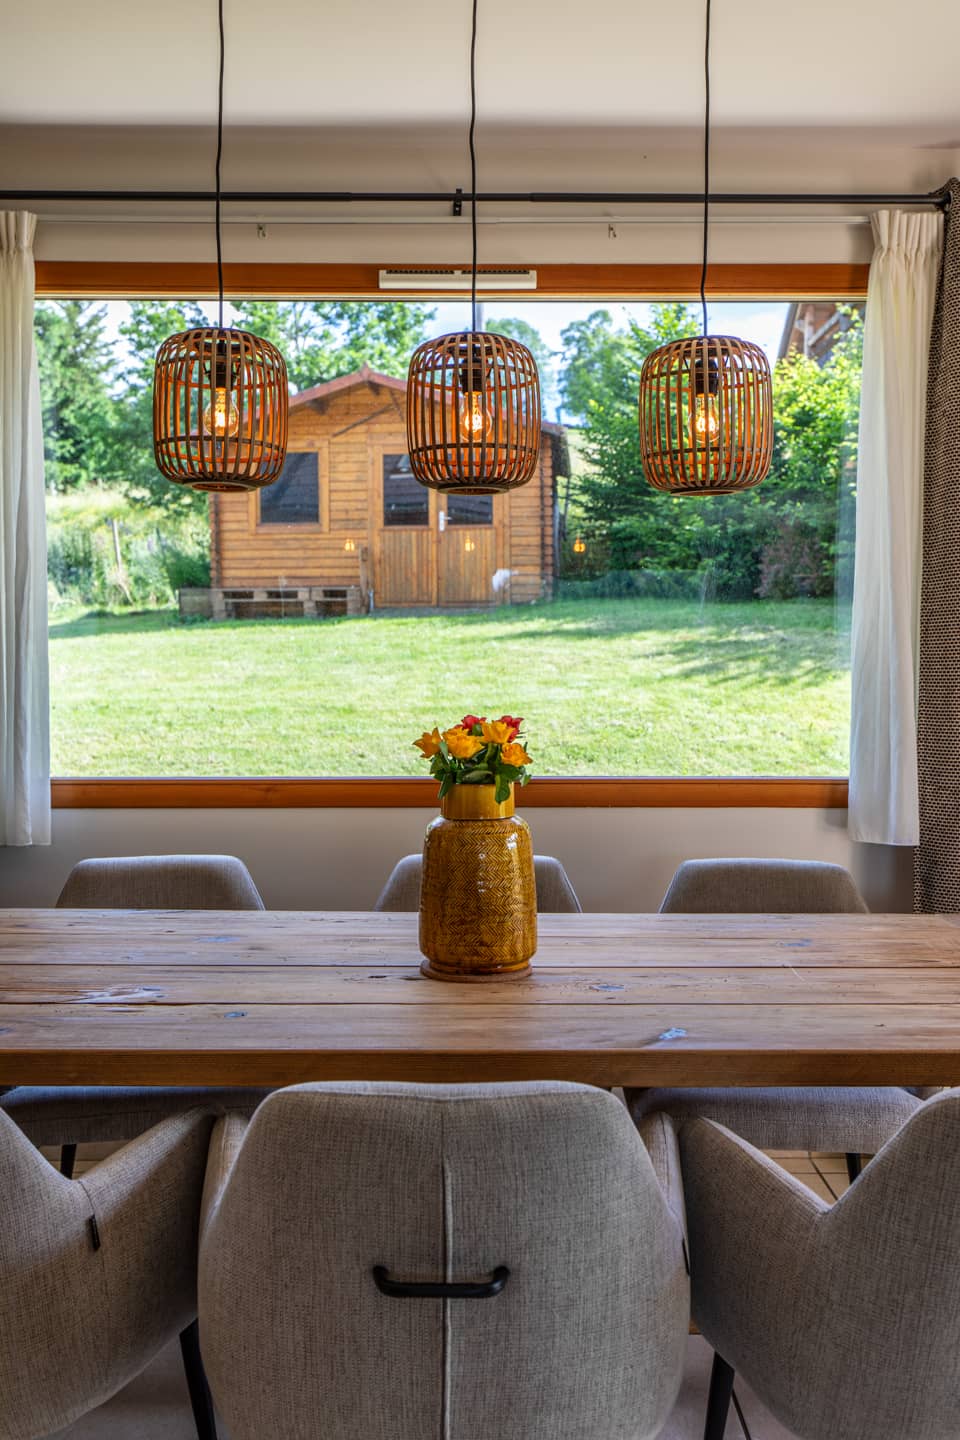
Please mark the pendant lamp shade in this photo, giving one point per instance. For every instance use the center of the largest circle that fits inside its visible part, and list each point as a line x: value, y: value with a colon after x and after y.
x: 473, y: 413
x: 706, y: 403
x: 220, y: 407
x: 220, y: 396
x: 706, y: 416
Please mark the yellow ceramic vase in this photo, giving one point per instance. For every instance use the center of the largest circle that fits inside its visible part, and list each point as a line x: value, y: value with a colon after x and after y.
x: 478, y: 898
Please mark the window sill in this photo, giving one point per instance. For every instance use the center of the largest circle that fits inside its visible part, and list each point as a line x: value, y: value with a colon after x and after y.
x: 294, y: 793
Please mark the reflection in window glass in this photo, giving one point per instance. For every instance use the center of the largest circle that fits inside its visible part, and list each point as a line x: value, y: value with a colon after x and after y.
x: 469, y: 509
x: 405, y: 501
x: 637, y: 633
x: 294, y: 497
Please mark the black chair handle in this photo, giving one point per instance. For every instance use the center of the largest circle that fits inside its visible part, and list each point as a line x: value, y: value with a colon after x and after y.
x: 437, y: 1290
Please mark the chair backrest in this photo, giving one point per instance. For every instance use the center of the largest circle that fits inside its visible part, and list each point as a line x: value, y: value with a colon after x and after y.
x: 95, y: 1276
x: 161, y: 882
x: 758, y: 887
x: 845, y: 1319
x: 442, y: 1184
x: 554, y: 891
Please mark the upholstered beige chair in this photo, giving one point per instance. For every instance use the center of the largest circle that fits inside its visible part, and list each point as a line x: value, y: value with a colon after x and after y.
x: 68, y: 1116
x: 160, y: 882
x: 97, y: 1276
x: 554, y: 891
x: 844, y: 1318
x: 487, y: 1262
x: 857, y: 1120
x: 762, y: 887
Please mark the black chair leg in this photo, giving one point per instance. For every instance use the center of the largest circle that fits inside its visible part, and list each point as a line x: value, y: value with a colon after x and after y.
x: 68, y: 1158
x: 718, y: 1402
x: 853, y: 1166
x: 200, y: 1399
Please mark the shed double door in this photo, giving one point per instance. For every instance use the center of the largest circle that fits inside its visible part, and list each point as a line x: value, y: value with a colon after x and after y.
x: 432, y: 549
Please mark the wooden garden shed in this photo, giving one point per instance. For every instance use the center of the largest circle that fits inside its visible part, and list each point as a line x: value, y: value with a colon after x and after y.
x: 347, y: 527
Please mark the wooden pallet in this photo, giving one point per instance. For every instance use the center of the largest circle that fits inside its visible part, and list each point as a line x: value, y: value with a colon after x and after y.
x: 271, y: 602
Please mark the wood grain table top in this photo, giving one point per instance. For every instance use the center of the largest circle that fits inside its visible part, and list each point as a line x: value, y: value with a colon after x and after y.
x: 273, y: 998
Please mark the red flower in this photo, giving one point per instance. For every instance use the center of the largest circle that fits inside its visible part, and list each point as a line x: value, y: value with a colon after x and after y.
x: 469, y: 721
x: 514, y: 721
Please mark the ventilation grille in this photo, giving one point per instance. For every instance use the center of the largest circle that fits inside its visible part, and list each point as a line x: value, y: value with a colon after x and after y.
x: 433, y: 280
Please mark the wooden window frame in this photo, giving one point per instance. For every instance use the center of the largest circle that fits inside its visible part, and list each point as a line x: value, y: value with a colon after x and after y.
x: 320, y: 526
x: 160, y: 279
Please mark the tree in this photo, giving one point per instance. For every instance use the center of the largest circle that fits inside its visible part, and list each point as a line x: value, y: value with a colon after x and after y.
x: 808, y: 498
x: 321, y: 339
x: 516, y: 329
x: 75, y: 362
x: 148, y: 324
x: 780, y: 539
x: 597, y: 362
x: 637, y: 526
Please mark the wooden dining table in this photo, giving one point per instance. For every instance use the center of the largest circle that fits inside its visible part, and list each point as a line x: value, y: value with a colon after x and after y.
x: 274, y: 998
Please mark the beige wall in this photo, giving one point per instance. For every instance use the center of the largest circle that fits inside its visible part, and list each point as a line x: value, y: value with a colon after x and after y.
x: 338, y: 859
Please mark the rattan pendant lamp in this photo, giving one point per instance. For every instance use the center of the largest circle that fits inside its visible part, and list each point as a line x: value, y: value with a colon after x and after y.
x: 473, y: 398
x: 706, y: 403
x: 220, y: 396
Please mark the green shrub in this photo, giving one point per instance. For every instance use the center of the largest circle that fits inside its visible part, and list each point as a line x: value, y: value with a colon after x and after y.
x: 158, y: 551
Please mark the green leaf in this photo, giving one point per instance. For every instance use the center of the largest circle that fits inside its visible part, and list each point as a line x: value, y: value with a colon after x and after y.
x: 502, y: 791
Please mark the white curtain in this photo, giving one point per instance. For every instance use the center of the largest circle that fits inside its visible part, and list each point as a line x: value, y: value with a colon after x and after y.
x: 884, y: 805
x: 24, y: 693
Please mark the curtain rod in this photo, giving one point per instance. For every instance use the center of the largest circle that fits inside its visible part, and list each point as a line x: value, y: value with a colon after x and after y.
x: 457, y: 198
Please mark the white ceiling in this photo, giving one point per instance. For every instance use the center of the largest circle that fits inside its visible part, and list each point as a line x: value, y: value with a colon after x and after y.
x: 880, y: 65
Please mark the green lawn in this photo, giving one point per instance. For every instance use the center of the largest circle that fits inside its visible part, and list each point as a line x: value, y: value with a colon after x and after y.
x: 619, y: 687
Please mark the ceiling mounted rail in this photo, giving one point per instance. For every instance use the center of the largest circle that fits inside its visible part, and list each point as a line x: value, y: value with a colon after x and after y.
x: 456, y: 197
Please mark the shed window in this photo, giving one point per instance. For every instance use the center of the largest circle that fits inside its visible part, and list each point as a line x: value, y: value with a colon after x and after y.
x: 405, y: 501
x: 469, y: 509
x: 293, y: 499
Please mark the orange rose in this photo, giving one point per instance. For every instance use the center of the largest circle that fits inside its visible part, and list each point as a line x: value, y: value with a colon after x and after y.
x: 515, y: 754
x: 496, y: 733
x: 429, y: 742
x: 461, y: 745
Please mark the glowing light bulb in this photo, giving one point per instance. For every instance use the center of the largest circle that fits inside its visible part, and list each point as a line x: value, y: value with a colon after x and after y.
x: 706, y: 422
x: 349, y: 546
x: 474, y: 421
x: 579, y: 545
x: 221, y: 417
x: 469, y: 545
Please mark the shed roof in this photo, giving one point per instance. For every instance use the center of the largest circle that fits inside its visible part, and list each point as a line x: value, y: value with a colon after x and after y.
x: 366, y: 376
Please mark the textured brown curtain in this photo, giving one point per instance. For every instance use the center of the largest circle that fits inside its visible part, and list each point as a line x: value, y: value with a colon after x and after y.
x: 936, y: 884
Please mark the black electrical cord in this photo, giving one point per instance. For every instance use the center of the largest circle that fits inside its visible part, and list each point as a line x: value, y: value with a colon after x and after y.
x: 219, y: 154
x: 473, y: 168
x: 706, y: 168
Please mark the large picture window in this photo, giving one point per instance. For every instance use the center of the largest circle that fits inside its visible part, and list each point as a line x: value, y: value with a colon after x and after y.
x: 639, y: 634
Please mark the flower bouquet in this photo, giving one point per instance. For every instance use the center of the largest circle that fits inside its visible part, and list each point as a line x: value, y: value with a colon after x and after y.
x: 477, y: 751
x: 478, y: 900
